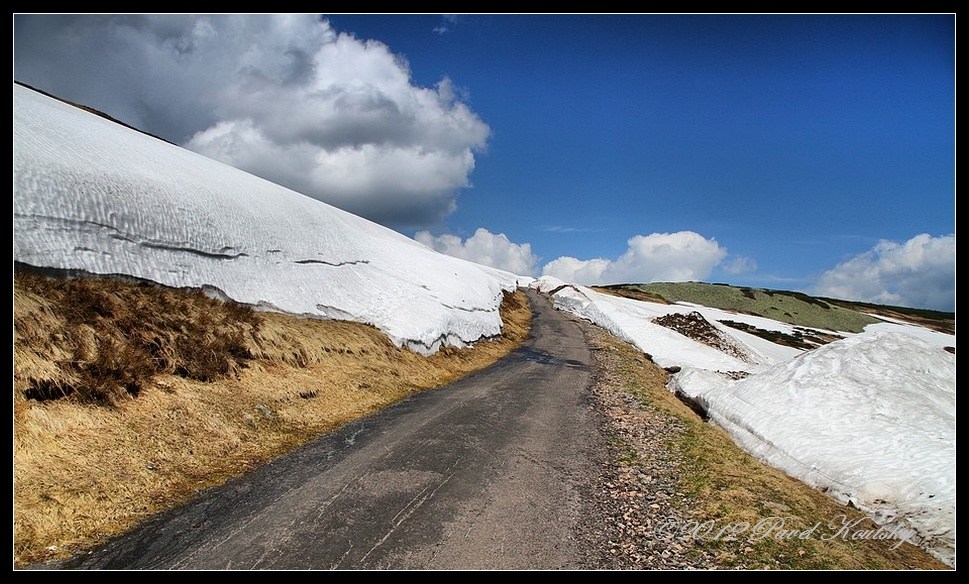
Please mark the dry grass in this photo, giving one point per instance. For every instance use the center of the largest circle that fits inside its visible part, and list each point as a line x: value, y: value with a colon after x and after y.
x: 130, y: 398
x: 727, y: 486
x: 102, y: 340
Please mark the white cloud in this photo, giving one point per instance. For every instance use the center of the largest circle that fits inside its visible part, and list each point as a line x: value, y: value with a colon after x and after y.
x: 740, y: 265
x: 918, y: 273
x: 574, y: 270
x: 283, y: 96
x: 659, y: 257
x: 485, y: 248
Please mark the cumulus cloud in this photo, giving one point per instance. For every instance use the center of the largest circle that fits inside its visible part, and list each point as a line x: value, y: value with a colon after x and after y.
x: 283, y: 96
x: 658, y: 257
x: 574, y: 270
x: 917, y: 273
x: 485, y: 248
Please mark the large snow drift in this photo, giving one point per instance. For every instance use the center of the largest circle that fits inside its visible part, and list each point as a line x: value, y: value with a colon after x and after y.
x: 92, y: 195
x: 869, y: 418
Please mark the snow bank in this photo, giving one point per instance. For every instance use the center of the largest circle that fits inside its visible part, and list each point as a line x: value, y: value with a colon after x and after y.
x: 934, y: 338
x: 632, y: 321
x: 95, y: 196
x: 547, y: 284
x: 870, y: 418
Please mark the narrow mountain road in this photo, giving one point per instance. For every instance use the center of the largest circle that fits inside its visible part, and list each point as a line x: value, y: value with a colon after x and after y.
x: 487, y: 472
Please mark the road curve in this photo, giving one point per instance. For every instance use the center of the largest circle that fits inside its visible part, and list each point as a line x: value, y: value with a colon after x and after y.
x: 484, y: 473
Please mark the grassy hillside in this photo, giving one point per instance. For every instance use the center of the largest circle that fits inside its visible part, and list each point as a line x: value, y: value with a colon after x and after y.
x: 130, y: 397
x: 791, y: 307
x: 944, y: 322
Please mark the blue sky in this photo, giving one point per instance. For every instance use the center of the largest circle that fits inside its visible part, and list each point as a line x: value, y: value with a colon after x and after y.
x: 804, y: 152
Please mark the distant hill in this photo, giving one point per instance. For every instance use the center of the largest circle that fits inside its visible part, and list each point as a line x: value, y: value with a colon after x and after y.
x: 794, y: 308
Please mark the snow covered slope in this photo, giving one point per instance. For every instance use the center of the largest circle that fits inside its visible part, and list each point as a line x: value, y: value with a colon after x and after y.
x: 633, y: 321
x: 869, y: 418
x: 92, y: 195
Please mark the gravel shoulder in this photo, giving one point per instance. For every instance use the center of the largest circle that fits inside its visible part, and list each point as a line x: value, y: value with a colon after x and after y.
x: 634, y: 498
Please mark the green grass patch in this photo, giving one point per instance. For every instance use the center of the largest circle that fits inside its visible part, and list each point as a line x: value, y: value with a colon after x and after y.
x: 793, y: 308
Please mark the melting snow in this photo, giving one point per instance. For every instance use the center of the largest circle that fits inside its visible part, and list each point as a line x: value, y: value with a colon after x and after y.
x: 95, y: 196
x: 869, y: 418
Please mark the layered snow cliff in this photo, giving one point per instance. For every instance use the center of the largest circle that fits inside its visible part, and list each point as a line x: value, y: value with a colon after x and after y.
x: 92, y: 195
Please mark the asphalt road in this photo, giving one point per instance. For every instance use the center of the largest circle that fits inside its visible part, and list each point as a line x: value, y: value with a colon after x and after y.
x: 484, y: 473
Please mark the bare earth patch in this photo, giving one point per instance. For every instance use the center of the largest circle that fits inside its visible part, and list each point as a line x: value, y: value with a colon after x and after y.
x: 694, y: 326
x: 130, y: 398
x: 802, y: 338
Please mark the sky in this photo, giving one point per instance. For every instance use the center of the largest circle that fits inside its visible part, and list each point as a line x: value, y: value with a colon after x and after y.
x: 798, y: 152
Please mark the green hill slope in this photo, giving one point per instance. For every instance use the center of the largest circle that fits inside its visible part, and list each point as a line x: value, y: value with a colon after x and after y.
x: 791, y: 307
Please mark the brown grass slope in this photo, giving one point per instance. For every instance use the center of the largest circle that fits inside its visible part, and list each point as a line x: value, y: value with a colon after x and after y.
x: 129, y: 397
